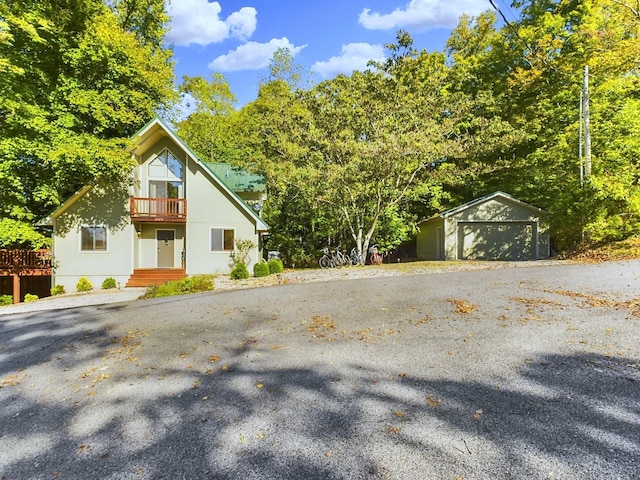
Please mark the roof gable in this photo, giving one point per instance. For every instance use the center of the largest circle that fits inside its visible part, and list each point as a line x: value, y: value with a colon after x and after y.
x: 487, y: 198
x: 498, y: 196
x: 147, y: 136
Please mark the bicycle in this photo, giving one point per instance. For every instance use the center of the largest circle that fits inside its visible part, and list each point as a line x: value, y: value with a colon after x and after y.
x: 342, y: 256
x: 375, y: 258
x: 329, y: 259
x: 355, y: 257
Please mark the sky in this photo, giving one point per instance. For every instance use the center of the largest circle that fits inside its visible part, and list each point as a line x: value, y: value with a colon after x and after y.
x: 237, y: 38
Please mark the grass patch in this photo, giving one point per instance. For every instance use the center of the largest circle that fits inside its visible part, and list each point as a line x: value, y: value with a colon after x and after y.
x: 198, y: 283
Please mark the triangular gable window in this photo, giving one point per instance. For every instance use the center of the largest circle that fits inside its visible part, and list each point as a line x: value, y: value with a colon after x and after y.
x: 166, y: 176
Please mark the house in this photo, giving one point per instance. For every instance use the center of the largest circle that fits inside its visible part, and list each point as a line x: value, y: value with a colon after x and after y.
x: 177, y: 219
x: 494, y: 227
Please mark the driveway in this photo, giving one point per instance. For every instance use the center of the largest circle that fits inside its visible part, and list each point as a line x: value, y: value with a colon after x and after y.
x: 530, y: 372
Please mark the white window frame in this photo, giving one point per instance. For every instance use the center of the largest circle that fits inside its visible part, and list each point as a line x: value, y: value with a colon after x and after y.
x: 223, y: 230
x: 168, y: 177
x: 94, y: 250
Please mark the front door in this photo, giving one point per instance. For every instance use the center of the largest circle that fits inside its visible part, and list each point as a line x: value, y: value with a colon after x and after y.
x: 165, y: 242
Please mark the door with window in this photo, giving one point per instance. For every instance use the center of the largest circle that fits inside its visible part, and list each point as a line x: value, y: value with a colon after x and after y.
x: 166, y: 248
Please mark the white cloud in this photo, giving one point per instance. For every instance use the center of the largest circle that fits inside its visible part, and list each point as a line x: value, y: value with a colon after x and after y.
x: 421, y: 14
x: 199, y: 22
x: 252, y: 55
x: 354, y: 56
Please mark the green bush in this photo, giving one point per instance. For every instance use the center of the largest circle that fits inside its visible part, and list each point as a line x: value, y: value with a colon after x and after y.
x: 260, y: 269
x: 109, y: 283
x: 57, y: 290
x: 6, y: 300
x: 30, y: 298
x: 84, y: 285
x: 275, y: 266
x: 239, y: 272
x: 199, y: 283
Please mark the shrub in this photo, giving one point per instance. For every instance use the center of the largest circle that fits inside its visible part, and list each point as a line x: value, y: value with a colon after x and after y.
x: 6, y: 300
x: 109, y: 283
x: 239, y: 272
x: 84, y: 285
x: 275, y: 265
x: 199, y: 283
x: 57, y: 290
x: 30, y: 298
x: 261, y: 269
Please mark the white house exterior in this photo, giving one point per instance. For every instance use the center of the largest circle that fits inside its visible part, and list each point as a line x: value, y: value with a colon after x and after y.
x: 494, y: 227
x: 177, y: 219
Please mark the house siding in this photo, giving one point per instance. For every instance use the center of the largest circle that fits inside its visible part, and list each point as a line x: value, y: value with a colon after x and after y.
x: 212, y: 208
x: 97, y: 208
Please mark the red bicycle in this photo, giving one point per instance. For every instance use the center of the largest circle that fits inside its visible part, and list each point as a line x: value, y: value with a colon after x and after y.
x: 375, y: 257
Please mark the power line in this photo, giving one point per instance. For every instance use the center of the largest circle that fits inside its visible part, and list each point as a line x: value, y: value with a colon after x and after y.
x: 512, y: 28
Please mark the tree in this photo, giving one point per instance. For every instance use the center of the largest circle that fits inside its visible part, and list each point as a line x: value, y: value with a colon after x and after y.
x: 78, y: 80
x: 531, y: 69
x: 346, y: 156
x: 208, y: 129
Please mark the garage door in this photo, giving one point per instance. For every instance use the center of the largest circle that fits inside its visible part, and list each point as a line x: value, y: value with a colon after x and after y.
x: 495, y: 241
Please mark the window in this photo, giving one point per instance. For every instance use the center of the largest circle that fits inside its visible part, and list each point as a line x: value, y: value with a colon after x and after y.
x: 221, y: 240
x: 93, y: 239
x: 166, y: 165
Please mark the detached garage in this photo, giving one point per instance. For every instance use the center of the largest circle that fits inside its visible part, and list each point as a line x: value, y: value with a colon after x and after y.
x: 495, y: 227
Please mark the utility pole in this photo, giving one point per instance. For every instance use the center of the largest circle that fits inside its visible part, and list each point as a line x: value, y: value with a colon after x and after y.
x: 587, y: 131
x: 580, y: 143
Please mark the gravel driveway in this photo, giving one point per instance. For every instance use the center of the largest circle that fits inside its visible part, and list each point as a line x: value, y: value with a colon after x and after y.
x: 503, y: 373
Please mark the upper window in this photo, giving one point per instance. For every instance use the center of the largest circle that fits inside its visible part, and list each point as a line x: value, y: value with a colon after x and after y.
x: 93, y: 239
x: 166, y: 165
x: 221, y: 239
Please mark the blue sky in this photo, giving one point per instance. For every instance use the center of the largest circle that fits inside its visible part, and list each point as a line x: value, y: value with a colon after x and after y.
x: 237, y: 38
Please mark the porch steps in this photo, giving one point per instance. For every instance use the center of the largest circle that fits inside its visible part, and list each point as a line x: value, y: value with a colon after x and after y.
x: 145, y: 277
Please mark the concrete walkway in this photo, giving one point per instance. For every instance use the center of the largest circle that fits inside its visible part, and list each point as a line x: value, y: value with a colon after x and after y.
x: 72, y: 300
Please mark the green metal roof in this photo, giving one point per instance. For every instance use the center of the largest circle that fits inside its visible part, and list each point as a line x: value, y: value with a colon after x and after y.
x: 237, y: 179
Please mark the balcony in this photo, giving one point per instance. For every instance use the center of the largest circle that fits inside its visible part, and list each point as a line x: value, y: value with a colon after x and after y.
x: 173, y: 210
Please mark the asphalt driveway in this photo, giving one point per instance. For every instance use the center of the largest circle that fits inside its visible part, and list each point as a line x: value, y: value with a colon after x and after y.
x: 530, y: 372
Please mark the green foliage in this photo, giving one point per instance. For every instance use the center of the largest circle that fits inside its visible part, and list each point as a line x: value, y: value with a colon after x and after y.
x: 84, y: 285
x: 275, y: 265
x: 201, y: 283
x: 78, y: 79
x: 239, y: 272
x: 6, y: 300
x: 261, y: 269
x: 198, y: 283
x: 30, y: 298
x: 109, y: 283
x: 57, y: 290
x: 21, y: 234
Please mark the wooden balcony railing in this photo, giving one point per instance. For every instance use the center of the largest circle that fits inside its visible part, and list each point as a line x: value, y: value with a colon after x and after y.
x: 158, y: 209
x: 25, y: 261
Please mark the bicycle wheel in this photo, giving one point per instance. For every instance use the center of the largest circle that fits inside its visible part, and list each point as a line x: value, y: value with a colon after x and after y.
x: 336, y: 262
x: 376, y: 259
x: 324, y: 262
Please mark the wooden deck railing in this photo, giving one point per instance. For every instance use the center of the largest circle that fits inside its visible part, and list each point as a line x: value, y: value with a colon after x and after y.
x: 158, y: 209
x: 19, y: 260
